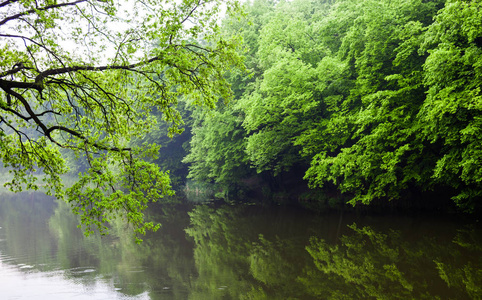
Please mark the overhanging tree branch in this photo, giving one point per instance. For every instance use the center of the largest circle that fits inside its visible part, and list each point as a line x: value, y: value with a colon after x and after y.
x: 5, y: 3
x: 55, y: 98
x: 32, y: 11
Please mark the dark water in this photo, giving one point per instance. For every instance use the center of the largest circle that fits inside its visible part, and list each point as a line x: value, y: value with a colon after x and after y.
x: 237, y: 252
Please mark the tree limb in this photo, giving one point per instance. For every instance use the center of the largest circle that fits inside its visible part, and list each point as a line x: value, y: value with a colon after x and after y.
x: 40, y: 77
x: 31, y: 11
x: 5, y: 3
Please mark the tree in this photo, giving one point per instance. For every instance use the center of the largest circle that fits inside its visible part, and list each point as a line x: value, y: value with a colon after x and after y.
x: 278, y: 107
x: 450, y: 117
x: 382, y: 98
x: 368, y: 145
x: 83, y: 75
x: 217, y: 148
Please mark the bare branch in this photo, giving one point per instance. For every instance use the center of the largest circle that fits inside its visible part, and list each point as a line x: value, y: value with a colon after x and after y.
x: 14, y: 70
x: 191, y: 12
x: 8, y: 2
x: 9, y: 84
x: 65, y: 70
x: 31, y: 11
x: 47, y: 131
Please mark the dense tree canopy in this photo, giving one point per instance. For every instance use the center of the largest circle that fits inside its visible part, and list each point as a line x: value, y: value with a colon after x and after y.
x: 378, y: 98
x: 84, y: 76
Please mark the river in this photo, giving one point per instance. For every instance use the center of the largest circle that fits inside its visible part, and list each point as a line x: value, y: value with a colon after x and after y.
x: 237, y: 251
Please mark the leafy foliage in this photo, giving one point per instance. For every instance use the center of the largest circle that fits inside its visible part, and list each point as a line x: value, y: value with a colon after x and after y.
x: 379, y: 97
x: 217, y: 147
x: 376, y: 154
x: 451, y: 114
x: 84, y: 76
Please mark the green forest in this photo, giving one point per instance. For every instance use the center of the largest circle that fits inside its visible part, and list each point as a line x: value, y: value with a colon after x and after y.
x: 373, y: 100
x: 324, y: 102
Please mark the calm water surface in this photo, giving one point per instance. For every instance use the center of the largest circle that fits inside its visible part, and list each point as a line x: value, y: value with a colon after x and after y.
x: 237, y: 252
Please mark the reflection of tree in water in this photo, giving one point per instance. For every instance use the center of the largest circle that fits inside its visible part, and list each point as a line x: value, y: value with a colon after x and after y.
x: 376, y: 265
x: 241, y: 254
x: 23, y: 220
x: 238, y: 256
x: 219, y: 253
x: 245, y: 252
x: 464, y: 273
x: 40, y: 232
x: 160, y: 266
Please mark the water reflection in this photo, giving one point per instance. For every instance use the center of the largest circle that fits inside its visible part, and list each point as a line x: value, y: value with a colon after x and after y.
x: 40, y: 245
x: 248, y: 253
x: 236, y: 252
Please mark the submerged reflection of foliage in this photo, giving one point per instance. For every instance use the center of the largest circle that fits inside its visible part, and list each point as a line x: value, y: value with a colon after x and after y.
x: 40, y: 234
x: 160, y: 265
x: 468, y: 276
x: 249, y: 252
x: 375, y: 265
x: 22, y: 218
x: 235, y: 260
x: 241, y: 253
